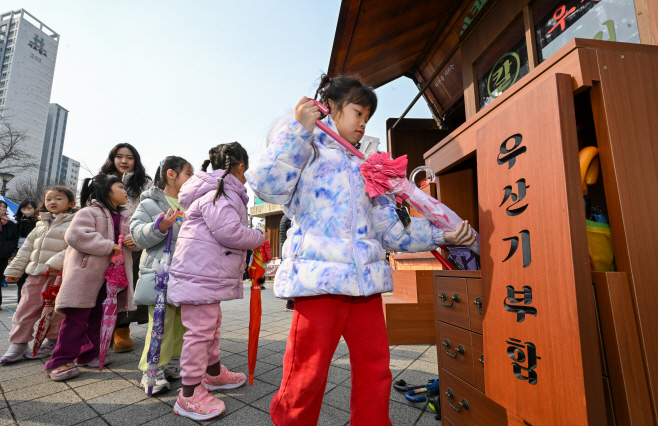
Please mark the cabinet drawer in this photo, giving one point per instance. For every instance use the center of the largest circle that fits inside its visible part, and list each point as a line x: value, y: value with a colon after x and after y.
x: 451, y: 301
x: 456, y: 352
x: 475, y: 304
x: 478, y: 360
x: 481, y: 410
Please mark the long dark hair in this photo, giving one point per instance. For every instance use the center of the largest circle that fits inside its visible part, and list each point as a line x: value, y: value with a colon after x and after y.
x: 343, y: 90
x: 64, y: 190
x: 99, y: 188
x: 225, y: 157
x: 25, y: 203
x: 177, y: 164
x: 139, y: 178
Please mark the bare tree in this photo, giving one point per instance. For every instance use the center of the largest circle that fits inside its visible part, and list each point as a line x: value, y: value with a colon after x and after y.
x: 14, y: 158
x: 30, y: 190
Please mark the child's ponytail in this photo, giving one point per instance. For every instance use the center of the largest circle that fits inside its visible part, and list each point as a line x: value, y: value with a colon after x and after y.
x: 98, y: 188
x: 225, y: 157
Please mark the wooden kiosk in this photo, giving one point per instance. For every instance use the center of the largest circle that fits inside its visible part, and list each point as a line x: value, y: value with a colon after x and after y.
x: 517, y: 89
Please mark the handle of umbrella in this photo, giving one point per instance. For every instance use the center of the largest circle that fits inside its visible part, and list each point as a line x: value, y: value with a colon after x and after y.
x: 348, y: 146
x: 157, y: 224
x: 443, y: 260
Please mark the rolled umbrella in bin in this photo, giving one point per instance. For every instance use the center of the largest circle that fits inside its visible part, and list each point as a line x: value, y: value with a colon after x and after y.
x: 116, y: 280
x: 161, y: 270
x: 47, y: 313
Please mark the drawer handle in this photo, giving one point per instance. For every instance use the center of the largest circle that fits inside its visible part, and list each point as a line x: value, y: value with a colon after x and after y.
x: 481, y: 360
x: 463, y: 404
x: 460, y: 349
x: 478, y: 303
x: 456, y: 298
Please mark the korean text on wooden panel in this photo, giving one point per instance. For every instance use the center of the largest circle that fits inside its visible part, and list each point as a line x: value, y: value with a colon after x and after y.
x: 539, y: 326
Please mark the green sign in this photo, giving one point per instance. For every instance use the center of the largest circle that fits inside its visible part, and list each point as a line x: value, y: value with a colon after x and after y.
x: 258, y: 201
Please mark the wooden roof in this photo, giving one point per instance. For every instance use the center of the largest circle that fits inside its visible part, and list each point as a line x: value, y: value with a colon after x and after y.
x: 381, y: 40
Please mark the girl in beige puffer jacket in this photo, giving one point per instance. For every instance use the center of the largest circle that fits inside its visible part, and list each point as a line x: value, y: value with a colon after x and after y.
x: 43, y: 250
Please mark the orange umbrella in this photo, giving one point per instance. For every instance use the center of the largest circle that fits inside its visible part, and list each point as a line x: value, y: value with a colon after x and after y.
x: 256, y: 273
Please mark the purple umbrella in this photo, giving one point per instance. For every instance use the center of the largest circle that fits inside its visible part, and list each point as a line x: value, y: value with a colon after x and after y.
x: 161, y: 270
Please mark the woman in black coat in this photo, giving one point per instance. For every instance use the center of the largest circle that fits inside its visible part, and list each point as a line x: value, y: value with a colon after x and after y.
x: 27, y: 218
x: 8, y: 240
x: 284, y: 225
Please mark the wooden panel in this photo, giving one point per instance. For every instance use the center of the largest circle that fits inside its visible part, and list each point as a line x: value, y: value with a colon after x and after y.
x: 478, y: 360
x: 629, y: 388
x: 412, y: 137
x: 461, y: 365
x: 413, y: 286
x: 552, y: 259
x: 459, y: 191
x: 625, y: 109
x: 409, y: 323
x: 449, y: 310
x: 457, y: 273
x: 481, y: 410
x: 609, y: 406
x: 474, y: 289
x: 272, y: 232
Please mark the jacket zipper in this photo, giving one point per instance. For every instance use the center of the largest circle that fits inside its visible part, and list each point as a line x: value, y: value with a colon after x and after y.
x: 357, y: 259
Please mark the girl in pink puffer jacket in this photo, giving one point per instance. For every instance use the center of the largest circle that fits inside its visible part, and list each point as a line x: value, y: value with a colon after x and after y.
x: 207, y: 269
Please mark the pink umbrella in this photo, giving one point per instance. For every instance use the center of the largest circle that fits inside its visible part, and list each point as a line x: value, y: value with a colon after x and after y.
x: 47, y: 313
x: 117, y: 280
x: 384, y: 175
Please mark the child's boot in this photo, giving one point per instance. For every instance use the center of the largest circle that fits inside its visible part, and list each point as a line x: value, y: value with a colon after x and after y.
x: 46, y: 349
x: 122, y: 340
x: 14, y: 353
x: 225, y: 380
x: 200, y: 406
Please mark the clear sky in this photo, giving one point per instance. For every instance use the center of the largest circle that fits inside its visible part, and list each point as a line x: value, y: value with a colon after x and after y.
x: 178, y: 77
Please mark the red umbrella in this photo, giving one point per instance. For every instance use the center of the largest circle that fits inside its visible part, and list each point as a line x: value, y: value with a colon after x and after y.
x: 256, y: 272
x: 117, y: 280
x: 47, y: 313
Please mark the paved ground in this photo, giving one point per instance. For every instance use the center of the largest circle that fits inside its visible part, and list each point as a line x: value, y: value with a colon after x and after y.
x: 113, y: 397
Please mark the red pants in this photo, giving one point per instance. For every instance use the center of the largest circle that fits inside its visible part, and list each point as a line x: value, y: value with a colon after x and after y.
x: 317, y: 325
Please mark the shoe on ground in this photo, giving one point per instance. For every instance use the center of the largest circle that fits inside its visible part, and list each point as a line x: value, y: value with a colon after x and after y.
x: 290, y: 305
x: 14, y: 353
x: 172, y: 370
x: 122, y: 341
x: 225, y: 380
x: 46, y: 349
x: 160, y: 385
x: 262, y: 287
x: 96, y: 362
x: 200, y: 406
x: 64, y: 372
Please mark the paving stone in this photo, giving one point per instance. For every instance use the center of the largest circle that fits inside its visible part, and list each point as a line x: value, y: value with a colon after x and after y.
x: 276, y: 346
x: 338, y: 397
x: 247, y: 393
x: 5, y: 417
x: 232, y: 346
x: 429, y: 356
x: 342, y: 362
x: 66, y: 416
x: 46, y: 404
x: 273, y: 377
x: 406, y: 352
x: 104, y: 387
x: 136, y: 414
x: 245, y: 416
x: 274, y: 359
x: 91, y: 375
x: 425, y: 367
x: 330, y: 416
x: 116, y: 400
x: 403, y: 415
x: 33, y: 392
x: 427, y: 419
x: 24, y: 382
x: 172, y: 419
x: 263, y: 404
x: 235, y: 361
x: 338, y: 375
x: 96, y: 421
x: 19, y: 370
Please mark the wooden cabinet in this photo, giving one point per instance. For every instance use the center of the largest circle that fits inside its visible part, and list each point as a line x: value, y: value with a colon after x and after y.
x: 464, y: 405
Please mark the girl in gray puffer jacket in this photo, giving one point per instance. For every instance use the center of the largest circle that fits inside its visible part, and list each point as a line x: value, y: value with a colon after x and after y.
x: 161, y: 199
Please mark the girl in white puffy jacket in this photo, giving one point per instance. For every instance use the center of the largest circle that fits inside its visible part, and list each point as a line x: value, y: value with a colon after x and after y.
x: 43, y: 250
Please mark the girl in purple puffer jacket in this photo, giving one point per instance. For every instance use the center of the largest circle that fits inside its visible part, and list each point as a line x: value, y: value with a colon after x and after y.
x: 206, y: 270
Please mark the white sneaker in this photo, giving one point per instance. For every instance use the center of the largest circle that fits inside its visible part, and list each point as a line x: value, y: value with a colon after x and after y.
x: 161, y: 384
x: 46, y: 349
x: 14, y: 353
x: 95, y: 363
x: 172, y: 370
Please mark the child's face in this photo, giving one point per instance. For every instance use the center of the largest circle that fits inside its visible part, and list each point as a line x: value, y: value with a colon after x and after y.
x: 57, y: 202
x: 181, y: 178
x: 124, y: 161
x: 118, y: 195
x: 351, y: 121
x: 27, y: 210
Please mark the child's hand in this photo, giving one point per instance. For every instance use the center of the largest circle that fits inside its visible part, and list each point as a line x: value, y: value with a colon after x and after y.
x: 128, y: 242
x: 11, y: 279
x: 116, y: 250
x: 307, y: 113
x: 462, y: 236
x: 168, y: 221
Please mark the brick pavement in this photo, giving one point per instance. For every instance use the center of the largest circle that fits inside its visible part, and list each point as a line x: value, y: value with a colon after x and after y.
x: 114, y: 397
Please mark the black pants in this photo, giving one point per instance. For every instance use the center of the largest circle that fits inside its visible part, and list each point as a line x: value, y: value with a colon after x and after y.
x: 3, y: 266
x: 19, y: 284
x: 141, y: 315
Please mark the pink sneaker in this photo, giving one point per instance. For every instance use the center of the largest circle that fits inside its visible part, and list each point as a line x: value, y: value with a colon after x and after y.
x: 225, y: 380
x: 200, y: 406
